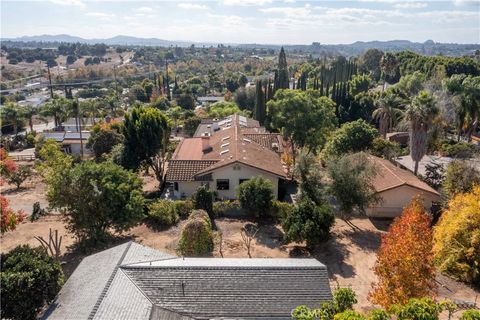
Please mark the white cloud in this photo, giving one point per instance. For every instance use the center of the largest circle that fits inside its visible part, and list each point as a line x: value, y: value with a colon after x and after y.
x: 246, y: 2
x: 101, y: 15
x: 192, y: 6
x: 410, y: 5
x: 144, y: 10
x: 289, y: 11
x: 78, y: 3
x: 459, y: 3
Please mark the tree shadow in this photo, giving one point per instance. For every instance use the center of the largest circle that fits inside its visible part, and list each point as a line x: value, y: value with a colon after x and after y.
x: 333, y: 254
x: 76, y: 252
x: 13, y: 190
x: 269, y: 234
x: 381, y: 224
x: 367, y: 240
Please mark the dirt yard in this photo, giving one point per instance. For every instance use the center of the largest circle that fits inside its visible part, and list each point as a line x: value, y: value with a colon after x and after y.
x: 31, y: 191
x: 349, y: 255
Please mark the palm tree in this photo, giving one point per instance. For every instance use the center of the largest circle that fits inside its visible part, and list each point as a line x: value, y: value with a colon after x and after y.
x: 175, y: 113
x: 420, y: 113
x: 59, y: 108
x: 11, y: 114
x: 387, y: 112
x: 28, y: 112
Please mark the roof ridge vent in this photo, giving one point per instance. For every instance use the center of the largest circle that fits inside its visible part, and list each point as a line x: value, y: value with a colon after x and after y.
x: 224, y: 151
x: 247, y: 140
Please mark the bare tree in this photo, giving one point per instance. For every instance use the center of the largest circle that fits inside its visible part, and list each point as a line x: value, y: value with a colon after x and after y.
x: 248, y: 232
x: 53, y: 245
x: 218, y: 240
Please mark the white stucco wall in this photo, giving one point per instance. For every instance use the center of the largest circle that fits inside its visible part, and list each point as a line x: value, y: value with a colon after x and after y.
x: 187, y: 188
x: 394, y: 200
x: 75, y: 149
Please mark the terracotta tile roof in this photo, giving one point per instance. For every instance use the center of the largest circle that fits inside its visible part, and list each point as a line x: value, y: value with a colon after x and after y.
x: 389, y: 176
x: 185, y: 170
x: 230, y: 144
x: 267, y: 140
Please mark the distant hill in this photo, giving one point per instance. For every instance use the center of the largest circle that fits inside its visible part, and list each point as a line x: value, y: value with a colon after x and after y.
x: 428, y: 47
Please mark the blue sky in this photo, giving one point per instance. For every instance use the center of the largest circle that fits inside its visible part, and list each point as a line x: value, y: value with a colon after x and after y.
x: 248, y: 21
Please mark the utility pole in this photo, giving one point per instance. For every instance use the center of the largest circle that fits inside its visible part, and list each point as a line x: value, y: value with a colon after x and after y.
x: 50, y: 81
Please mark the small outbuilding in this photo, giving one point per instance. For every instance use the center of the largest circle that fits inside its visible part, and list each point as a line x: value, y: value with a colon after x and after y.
x: 396, y: 188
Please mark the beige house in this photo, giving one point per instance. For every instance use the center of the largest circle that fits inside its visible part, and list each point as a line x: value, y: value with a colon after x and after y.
x: 396, y: 188
x: 235, y: 151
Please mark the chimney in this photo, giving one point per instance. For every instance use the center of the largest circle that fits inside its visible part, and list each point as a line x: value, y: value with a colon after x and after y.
x: 206, y: 148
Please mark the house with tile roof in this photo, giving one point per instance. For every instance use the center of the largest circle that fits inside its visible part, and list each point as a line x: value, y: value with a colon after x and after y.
x: 223, y: 154
x: 396, y: 188
x: 134, y: 282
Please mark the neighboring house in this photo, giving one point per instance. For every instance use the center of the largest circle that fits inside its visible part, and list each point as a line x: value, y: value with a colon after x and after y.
x: 133, y: 282
x: 224, y: 156
x: 407, y: 162
x: 70, y: 141
x: 202, y: 101
x: 402, y: 138
x: 396, y: 188
x: 73, y: 124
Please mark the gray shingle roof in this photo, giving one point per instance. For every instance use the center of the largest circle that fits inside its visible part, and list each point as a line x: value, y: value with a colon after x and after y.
x: 134, y: 282
x: 205, y: 288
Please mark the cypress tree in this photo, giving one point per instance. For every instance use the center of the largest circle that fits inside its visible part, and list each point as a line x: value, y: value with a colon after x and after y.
x: 259, y: 112
x: 283, y: 79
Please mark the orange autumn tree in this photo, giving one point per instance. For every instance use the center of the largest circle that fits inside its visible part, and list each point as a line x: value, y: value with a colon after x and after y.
x: 9, y: 219
x: 404, y: 264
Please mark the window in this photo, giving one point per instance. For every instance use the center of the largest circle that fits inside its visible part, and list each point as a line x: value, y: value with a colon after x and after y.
x: 242, y: 181
x: 223, y: 184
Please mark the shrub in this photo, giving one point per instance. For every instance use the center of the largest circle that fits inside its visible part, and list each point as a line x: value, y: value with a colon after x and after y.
x: 37, y: 212
x: 183, y: 208
x: 349, y: 315
x: 203, y: 200
x: 422, y: 308
x: 460, y: 178
x: 221, y: 208
x: 344, y: 299
x: 18, y: 176
x: 280, y: 209
x: 30, y: 279
x: 9, y: 219
x: 378, y: 314
x: 470, y: 315
x: 256, y: 196
x: 308, y: 222
x: 457, y: 238
x: 197, y: 236
x: 450, y: 148
x: 385, y: 149
x: 163, y: 212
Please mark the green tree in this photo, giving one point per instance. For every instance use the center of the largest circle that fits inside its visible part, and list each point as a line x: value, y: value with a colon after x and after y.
x: 303, y: 117
x: 283, y: 80
x: 30, y: 279
x: 146, y: 132
x: 369, y: 63
x: 18, y: 176
x: 470, y: 315
x: 190, y: 125
x: 102, y: 140
x: 420, y: 114
x: 203, y: 200
x: 256, y: 196
x: 260, y: 108
x: 308, y: 222
x: 352, y: 182
x: 466, y: 91
x: 308, y: 172
x: 350, y: 137
x: 175, y: 113
x: 59, y: 108
x: 28, y: 113
x: 460, y: 177
x: 222, y: 109
x: 96, y: 198
x: 387, y: 113
x: 418, y: 309
x: 11, y: 115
